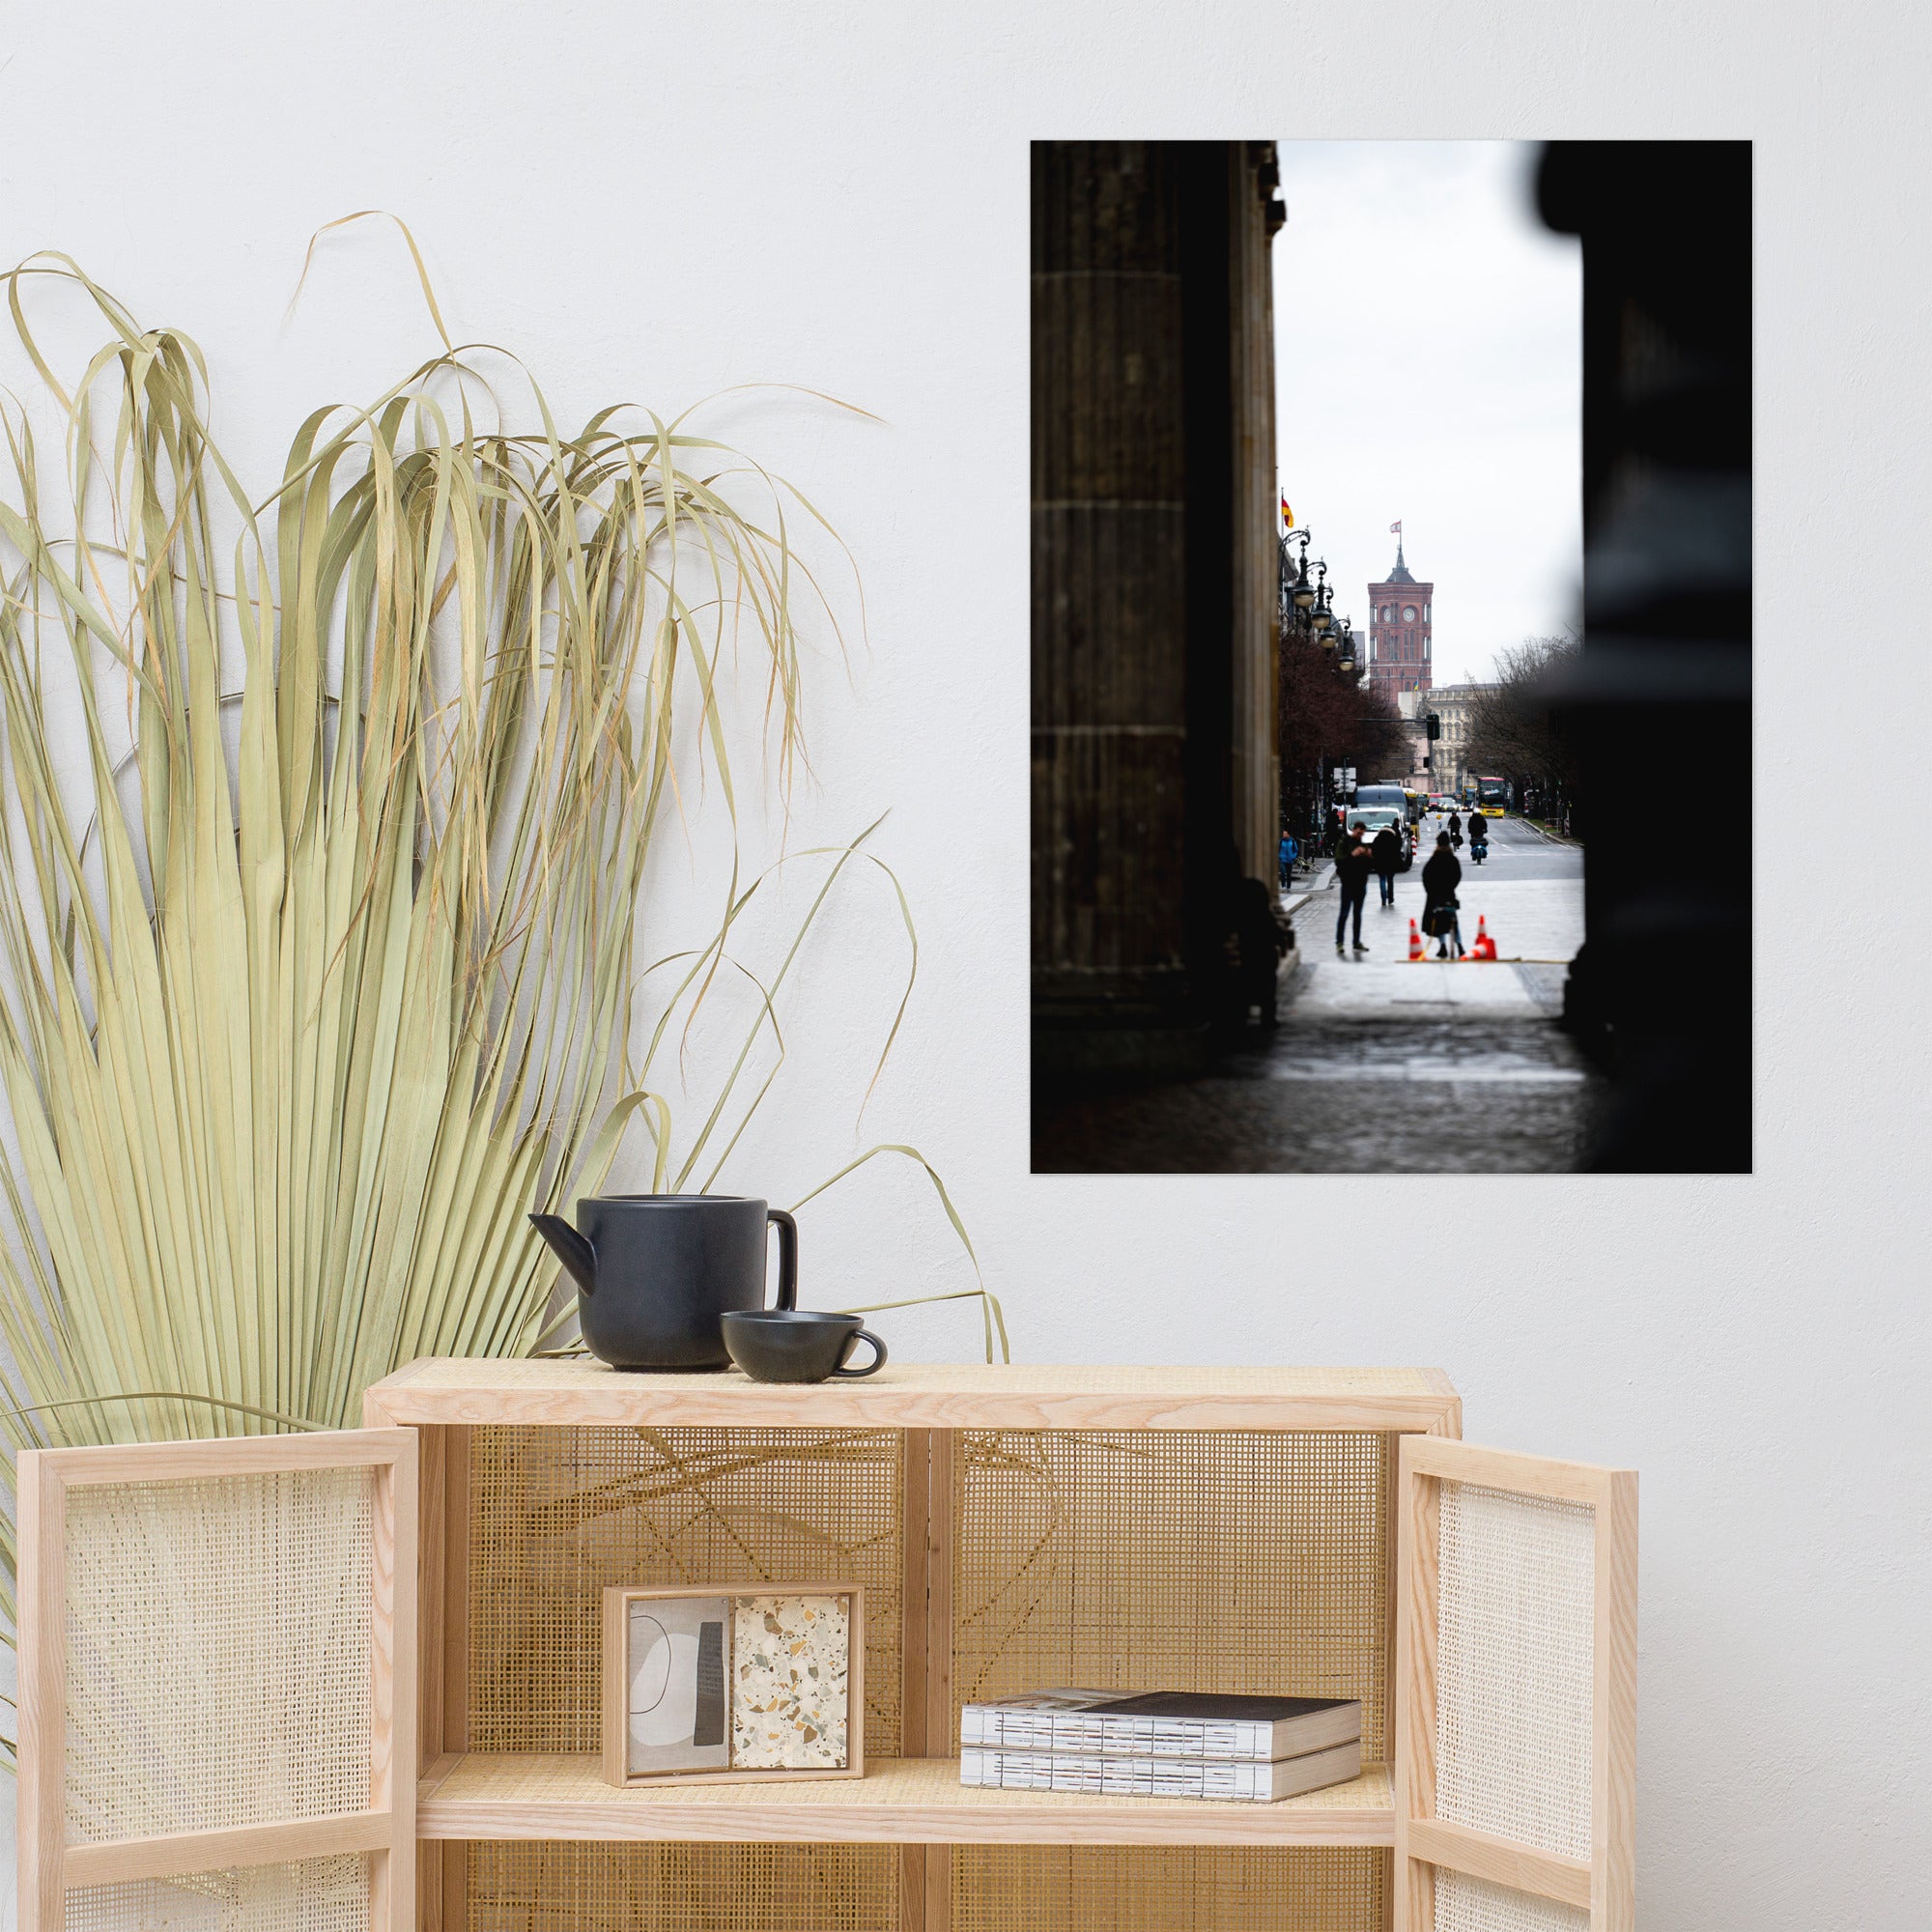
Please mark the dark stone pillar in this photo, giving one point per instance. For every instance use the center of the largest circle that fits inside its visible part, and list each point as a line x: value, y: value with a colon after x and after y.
x: 1109, y: 607
x: 1660, y: 700
x: 1153, y: 590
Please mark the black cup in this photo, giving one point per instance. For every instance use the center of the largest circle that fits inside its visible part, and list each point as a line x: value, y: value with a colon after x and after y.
x: 791, y: 1345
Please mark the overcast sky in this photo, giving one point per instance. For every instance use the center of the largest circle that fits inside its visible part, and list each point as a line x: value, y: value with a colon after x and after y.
x: 1429, y: 369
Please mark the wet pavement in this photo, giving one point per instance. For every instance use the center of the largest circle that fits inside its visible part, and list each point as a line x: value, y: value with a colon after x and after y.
x: 1380, y: 1066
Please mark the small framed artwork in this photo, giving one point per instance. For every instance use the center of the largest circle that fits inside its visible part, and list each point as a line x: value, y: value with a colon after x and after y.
x: 750, y: 1684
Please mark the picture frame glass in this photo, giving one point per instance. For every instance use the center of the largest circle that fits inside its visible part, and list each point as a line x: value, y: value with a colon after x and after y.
x: 790, y: 1682
x: 676, y: 1694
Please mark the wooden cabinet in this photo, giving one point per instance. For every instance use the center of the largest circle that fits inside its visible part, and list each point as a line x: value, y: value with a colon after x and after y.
x: 1319, y: 1530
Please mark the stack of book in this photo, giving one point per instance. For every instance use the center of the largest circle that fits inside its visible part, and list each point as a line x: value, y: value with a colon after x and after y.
x: 1163, y: 1743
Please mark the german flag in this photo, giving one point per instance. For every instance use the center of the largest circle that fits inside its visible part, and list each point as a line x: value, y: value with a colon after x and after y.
x: 1287, y: 515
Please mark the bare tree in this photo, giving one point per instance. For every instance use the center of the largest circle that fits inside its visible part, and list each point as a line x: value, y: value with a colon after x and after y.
x: 1513, y: 731
x: 1328, y: 717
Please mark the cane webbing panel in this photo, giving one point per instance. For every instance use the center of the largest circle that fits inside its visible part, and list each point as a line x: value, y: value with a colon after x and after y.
x: 559, y: 1514
x: 1464, y: 1904
x: 1139, y: 1888
x: 1514, y: 1667
x: 1179, y: 1560
x: 217, y: 1652
x: 312, y: 1895
x: 531, y: 1886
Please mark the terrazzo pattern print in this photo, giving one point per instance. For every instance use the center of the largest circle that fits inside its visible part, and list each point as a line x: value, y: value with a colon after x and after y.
x: 791, y: 1657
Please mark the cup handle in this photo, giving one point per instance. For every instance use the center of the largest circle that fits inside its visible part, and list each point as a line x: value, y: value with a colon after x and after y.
x: 872, y: 1367
x: 787, y: 1256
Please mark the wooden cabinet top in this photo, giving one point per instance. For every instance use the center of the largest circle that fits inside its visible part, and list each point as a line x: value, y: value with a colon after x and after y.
x: 918, y: 1395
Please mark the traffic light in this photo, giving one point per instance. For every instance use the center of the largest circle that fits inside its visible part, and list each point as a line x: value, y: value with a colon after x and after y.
x: 1435, y: 727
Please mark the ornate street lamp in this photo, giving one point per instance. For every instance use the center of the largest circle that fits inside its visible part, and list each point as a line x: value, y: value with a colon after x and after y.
x: 1320, y: 617
x: 1297, y: 592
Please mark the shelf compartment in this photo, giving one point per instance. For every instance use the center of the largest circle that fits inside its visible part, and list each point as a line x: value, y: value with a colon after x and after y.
x: 1203, y: 1560
x: 900, y: 1801
x: 555, y: 1515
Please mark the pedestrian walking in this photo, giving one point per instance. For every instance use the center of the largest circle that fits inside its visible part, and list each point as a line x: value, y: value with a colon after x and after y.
x: 1456, y: 827
x: 1287, y: 859
x: 1354, y: 862
x: 1386, y: 851
x: 1441, y: 878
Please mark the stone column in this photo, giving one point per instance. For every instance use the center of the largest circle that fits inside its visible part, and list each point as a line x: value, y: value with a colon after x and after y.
x: 1109, y: 588
x: 1663, y: 685
x: 1254, y: 218
x: 1154, y: 755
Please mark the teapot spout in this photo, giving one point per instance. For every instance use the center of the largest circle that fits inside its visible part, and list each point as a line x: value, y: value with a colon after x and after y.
x: 570, y: 1248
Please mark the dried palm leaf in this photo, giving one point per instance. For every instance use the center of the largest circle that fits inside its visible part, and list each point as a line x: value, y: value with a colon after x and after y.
x: 320, y: 974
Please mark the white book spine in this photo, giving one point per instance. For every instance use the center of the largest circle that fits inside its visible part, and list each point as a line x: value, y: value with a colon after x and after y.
x: 1116, y: 1777
x: 1009, y: 1728
x: 1226, y: 1781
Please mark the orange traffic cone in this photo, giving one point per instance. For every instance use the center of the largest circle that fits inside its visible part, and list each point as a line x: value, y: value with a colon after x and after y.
x: 1485, y: 946
x: 1416, y: 949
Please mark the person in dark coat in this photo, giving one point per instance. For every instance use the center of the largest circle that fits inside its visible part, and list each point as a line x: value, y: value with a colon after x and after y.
x: 1354, y: 862
x: 1386, y: 854
x: 1441, y: 878
x: 1454, y: 828
x: 1262, y: 936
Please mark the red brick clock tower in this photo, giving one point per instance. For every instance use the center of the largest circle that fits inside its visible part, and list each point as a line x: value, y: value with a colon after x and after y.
x: 1401, y: 619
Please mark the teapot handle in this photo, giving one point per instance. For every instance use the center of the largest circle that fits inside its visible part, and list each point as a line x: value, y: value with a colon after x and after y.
x: 787, y: 1256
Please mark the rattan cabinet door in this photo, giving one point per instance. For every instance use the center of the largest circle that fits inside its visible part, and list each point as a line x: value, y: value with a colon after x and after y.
x: 1515, y: 1692
x: 217, y: 1684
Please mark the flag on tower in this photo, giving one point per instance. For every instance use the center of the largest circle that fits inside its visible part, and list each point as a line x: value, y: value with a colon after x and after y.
x: 1287, y: 515
x: 1395, y: 529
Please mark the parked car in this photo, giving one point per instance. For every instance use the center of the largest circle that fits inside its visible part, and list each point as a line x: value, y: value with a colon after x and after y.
x: 1374, y: 817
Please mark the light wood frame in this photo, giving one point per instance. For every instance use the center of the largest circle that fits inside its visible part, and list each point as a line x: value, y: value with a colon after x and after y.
x: 581, y: 1393
x: 1604, y: 1884
x: 50, y: 1867
x: 615, y: 1725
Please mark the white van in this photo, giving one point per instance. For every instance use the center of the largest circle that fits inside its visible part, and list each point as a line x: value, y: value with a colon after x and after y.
x: 1380, y: 794
x: 1374, y: 817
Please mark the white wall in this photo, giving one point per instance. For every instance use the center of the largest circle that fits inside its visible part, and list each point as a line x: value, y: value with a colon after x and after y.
x: 657, y: 203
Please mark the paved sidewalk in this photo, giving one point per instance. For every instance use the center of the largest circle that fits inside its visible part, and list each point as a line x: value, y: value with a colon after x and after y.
x: 1356, y: 988
x: 1549, y: 837
x: 1531, y: 890
x: 1303, y: 884
x: 1380, y: 1066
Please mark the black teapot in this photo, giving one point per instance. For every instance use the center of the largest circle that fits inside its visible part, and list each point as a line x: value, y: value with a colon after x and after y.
x: 655, y: 1272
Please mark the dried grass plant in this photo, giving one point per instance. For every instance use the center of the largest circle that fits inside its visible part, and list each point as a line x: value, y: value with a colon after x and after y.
x: 320, y: 972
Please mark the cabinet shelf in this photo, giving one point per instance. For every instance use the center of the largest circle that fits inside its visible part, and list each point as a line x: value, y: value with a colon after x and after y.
x: 898, y: 1802
x: 1216, y: 1529
x: 916, y: 1394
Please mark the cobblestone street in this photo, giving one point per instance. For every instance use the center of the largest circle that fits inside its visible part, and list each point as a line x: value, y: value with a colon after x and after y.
x: 1469, y: 1095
